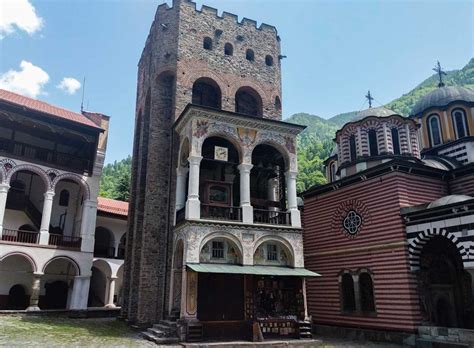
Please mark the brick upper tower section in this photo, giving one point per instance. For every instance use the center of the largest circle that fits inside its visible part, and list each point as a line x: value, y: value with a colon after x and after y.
x: 239, y: 55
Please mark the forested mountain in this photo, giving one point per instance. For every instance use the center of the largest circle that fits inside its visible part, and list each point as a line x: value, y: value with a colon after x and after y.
x: 314, y: 144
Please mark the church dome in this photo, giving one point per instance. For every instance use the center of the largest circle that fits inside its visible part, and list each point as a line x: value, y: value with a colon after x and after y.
x: 443, y: 96
x: 446, y: 200
x: 377, y: 112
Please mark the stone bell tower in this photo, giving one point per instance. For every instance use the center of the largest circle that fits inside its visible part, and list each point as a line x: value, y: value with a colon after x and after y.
x: 190, y: 56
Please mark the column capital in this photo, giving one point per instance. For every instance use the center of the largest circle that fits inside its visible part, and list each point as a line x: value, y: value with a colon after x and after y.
x: 113, y: 278
x: 4, y: 187
x: 291, y: 174
x: 49, y: 194
x: 245, y: 167
x: 38, y: 274
x: 196, y: 160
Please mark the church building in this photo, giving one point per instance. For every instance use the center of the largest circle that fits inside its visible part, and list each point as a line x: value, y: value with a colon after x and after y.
x: 392, y: 233
x: 215, y: 239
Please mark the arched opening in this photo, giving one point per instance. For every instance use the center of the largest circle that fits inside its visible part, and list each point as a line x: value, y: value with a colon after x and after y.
x: 373, y: 142
x: 206, y: 92
x: 249, y: 55
x: 104, y: 243
x: 460, y: 123
x: 24, y: 207
x: 277, y: 103
x: 207, y: 43
x: 66, y: 216
x: 269, y: 60
x: 333, y: 171
x: 434, y: 130
x: 228, y: 49
x: 268, y: 186
x: 248, y: 102
x: 16, y: 273
x: 17, y: 297
x: 366, y: 289
x: 177, y: 277
x: 396, y: 141
x: 352, y: 147
x: 98, y: 289
x: 121, y: 247
x: 444, y: 291
x: 347, y: 293
x: 220, y: 250
x: 119, y: 287
x: 220, y: 180
x: 272, y: 253
x: 58, y: 282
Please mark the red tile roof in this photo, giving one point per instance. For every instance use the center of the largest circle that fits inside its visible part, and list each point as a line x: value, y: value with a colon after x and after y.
x: 46, y: 108
x: 112, y: 206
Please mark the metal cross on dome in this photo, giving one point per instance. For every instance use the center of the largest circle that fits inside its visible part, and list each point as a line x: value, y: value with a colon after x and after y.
x: 369, y: 98
x: 440, y: 73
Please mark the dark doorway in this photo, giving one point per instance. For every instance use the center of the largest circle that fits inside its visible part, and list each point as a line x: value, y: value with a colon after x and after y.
x: 17, y: 298
x: 56, y: 295
x: 445, y: 294
x: 220, y: 297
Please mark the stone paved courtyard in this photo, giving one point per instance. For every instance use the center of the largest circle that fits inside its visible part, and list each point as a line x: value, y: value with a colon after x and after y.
x: 46, y: 331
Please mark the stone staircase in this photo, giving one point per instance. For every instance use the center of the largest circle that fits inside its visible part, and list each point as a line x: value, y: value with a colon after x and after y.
x: 165, y: 332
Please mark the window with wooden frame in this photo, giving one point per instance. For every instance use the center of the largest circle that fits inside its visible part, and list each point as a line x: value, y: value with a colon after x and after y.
x: 217, y: 250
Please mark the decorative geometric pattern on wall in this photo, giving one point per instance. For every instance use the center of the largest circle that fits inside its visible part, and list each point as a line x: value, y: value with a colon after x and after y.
x: 350, y: 218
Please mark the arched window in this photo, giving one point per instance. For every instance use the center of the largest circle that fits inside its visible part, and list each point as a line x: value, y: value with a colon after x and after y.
x: 64, y: 198
x: 373, y: 143
x: 352, y: 147
x: 395, y: 141
x: 460, y: 123
x: 207, y: 43
x: 206, y: 93
x: 228, y: 49
x: 269, y: 60
x: 248, y: 102
x: 366, y: 289
x: 333, y: 170
x: 249, y: 55
x: 347, y: 292
x: 434, y: 130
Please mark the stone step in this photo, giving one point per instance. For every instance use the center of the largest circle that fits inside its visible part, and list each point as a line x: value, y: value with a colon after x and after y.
x: 165, y: 328
x: 157, y: 332
x: 169, y: 323
x: 159, y: 340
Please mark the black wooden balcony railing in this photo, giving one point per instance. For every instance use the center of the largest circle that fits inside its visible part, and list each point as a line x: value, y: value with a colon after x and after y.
x: 19, y: 236
x: 67, y: 242
x: 103, y: 251
x: 271, y: 217
x: 216, y: 212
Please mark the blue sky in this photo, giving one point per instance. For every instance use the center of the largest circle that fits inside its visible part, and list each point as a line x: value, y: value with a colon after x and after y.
x: 336, y: 50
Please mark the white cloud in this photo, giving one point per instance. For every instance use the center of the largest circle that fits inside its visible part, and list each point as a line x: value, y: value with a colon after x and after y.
x: 29, y: 81
x: 18, y: 14
x: 69, y: 85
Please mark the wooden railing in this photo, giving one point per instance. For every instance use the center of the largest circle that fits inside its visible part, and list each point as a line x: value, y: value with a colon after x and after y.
x: 107, y: 252
x: 19, y: 236
x: 216, y: 212
x: 68, y: 242
x: 272, y: 217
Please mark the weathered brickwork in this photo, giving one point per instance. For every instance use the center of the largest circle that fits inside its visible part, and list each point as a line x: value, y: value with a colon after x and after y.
x: 172, y: 60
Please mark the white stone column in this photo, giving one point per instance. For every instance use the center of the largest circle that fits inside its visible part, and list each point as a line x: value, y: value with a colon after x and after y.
x: 292, y: 202
x: 46, y: 217
x: 3, y: 202
x: 193, y: 205
x: 181, y: 187
x: 305, y: 301
x: 110, y: 298
x: 80, y: 292
x: 89, y: 214
x: 247, y: 209
x: 35, y: 292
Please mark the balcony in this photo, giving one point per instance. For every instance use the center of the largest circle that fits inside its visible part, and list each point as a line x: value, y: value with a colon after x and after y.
x: 65, y: 242
x: 19, y: 236
x: 271, y: 217
x: 216, y: 212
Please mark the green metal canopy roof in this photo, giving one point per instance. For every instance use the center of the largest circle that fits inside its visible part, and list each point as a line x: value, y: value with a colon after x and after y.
x: 256, y: 270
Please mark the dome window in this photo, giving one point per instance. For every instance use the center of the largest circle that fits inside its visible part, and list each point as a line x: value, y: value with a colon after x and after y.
x: 249, y: 55
x: 373, y: 143
x: 333, y: 171
x: 352, y: 147
x: 434, y: 130
x: 460, y: 124
x: 395, y: 141
x: 207, y: 43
